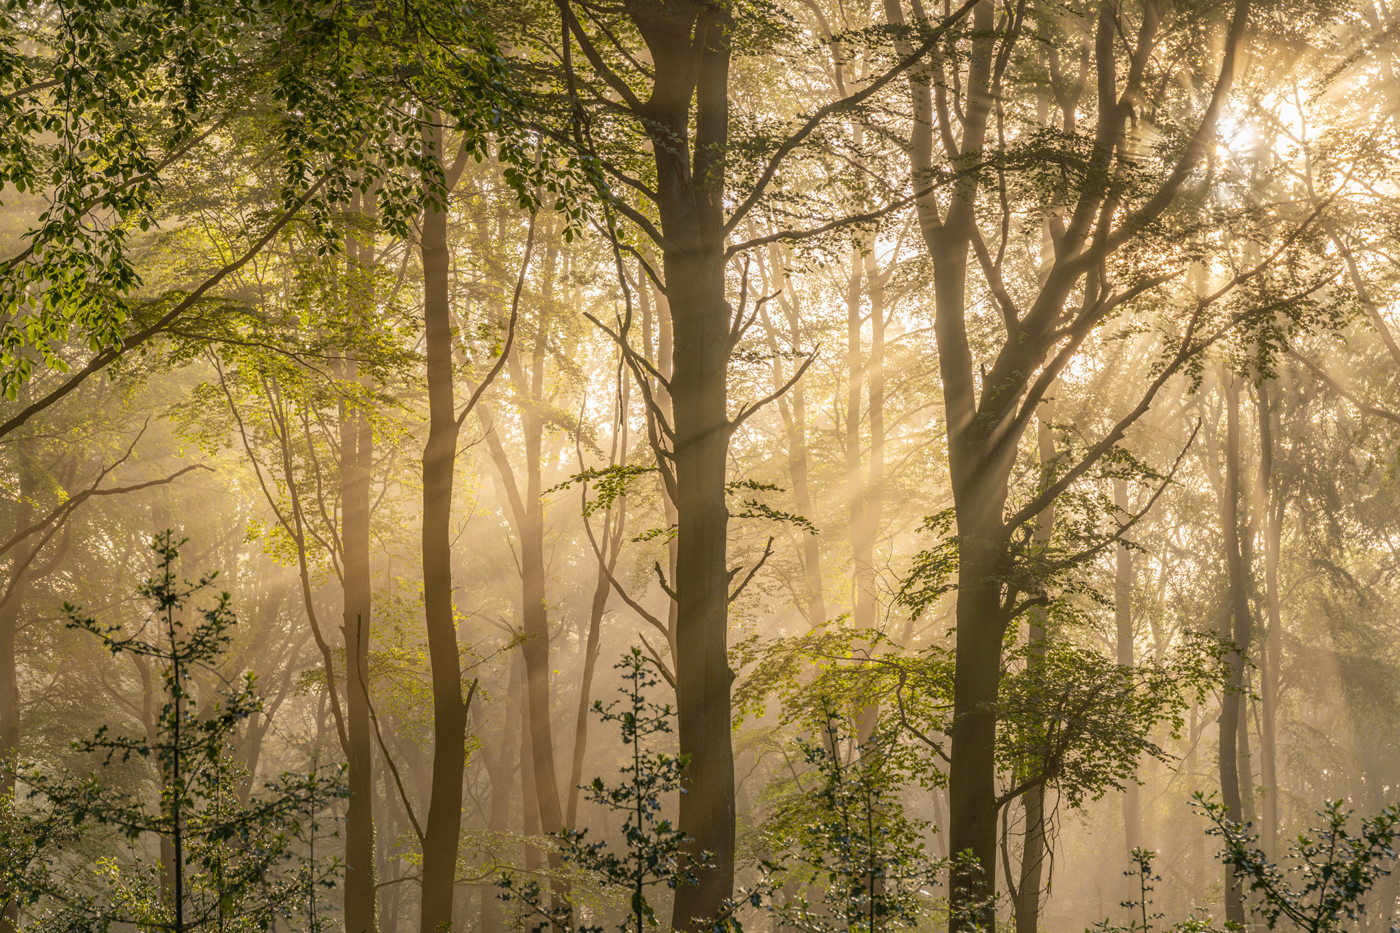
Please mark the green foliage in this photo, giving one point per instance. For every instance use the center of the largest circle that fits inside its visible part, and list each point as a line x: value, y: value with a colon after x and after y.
x: 849, y: 839
x: 235, y: 864
x: 1324, y: 880
x: 1319, y: 887
x: 1070, y: 718
x: 609, y: 485
x: 653, y: 856
x: 100, y: 102
x: 1067, y: 716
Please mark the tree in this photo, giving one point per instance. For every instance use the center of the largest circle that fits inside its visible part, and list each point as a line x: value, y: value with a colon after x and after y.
x: 234, y: 864
x: 667, y: 89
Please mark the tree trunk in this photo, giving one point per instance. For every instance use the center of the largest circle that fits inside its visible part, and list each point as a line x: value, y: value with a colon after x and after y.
x: 793, y: 409
x: 1270, y: 643
x: 444, y: 822
x: 699, y: 389
x: 1123, y: 617
x: 611, y: 545
x: 875, y: 383
x: 1238, y: 611
x: 530, y: 800
x: 1034, y: 850
x: 535, y: 614
x: 356, y: 457
x: 690, y: 201
x: 862, y: 558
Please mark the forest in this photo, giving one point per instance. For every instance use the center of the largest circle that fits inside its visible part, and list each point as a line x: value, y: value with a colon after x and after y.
x: 558, y: 466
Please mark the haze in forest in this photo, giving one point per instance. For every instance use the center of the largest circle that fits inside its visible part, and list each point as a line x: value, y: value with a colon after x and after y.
x: 795, y: 465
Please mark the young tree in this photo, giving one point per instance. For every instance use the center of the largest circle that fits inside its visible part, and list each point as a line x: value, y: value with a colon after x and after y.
x: 234, y: 864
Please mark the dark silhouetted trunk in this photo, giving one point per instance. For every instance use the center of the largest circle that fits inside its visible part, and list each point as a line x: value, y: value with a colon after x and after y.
x: 442, y: 828
x: 1271, y: 508
x: 1238, y: 612
x: 690, y: 202
x: 356, y: 457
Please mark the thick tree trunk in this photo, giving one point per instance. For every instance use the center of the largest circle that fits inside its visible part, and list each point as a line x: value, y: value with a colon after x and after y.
x: 1238, y: 612
x: 442, y: 828
x: 690, y: 200
x: 698, y: 390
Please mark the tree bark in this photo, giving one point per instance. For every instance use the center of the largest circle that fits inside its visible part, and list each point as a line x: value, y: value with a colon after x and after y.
x: 1123, y: 618
x: 793, y: 409
x: 442, y: 828
x: 501, y: 763
x: 862, y: 555
x: 356, y: 457
x: 611, y: 545
x: 1270, y: 505
x: 689, y: 150
x: 1238, y: 612
x: 1034, y: 849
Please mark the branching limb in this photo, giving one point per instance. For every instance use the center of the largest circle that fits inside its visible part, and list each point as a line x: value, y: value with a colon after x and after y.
x: 767, y: 552
x: 746, y: 411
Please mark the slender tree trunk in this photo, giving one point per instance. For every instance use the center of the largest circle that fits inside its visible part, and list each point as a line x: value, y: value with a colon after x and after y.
x: 862, y: 557
x: 875, y: 381
x: 1270, y: 644
x: 356, y: 456
x: 1123, y: 617
x: 1238, y: 611
x: 611, y: 545
x: 501, y: 763
x: 535, y: 615
x: 793, y: 408
x: 530, y: 800
x: 1034, y: 850
x: 442, y: 829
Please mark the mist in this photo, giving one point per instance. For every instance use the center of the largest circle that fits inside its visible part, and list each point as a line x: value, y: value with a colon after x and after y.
x: 688, y: 466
